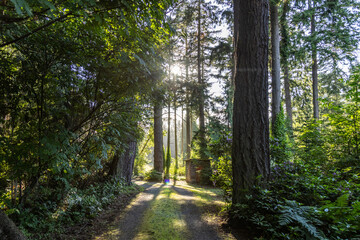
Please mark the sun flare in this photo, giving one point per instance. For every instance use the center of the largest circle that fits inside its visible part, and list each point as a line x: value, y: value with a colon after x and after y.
x: 176, y: 70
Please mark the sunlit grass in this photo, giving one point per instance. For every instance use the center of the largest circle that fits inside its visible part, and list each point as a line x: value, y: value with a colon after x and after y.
x: 163, y: 219
x: 205, y: 195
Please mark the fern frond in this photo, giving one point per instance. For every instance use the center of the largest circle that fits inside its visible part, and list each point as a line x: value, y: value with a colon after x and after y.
x: 293, y: 213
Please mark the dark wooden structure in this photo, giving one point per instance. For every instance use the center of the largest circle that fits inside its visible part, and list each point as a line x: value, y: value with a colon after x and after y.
x: 198, y: 171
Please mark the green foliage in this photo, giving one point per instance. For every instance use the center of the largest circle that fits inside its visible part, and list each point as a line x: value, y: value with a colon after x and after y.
x: 167, y: 163
x: 301, y: 202
x: 144, y: 149
x: 279, y: 141
x: 311, y: 143
x: 76, y: 77
x: 220, y: 149
x: 302, y: 217
x: 197, y: 147
x: 154, y: 176
x: 47, y: 218
x: 343, y: 120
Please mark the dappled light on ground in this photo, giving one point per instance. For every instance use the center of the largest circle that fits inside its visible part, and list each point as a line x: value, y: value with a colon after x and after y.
x: 164, y: 212
x: 163, y: 218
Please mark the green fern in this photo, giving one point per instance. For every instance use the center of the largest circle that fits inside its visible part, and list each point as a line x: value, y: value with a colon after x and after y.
x: 342, y: 201
x: 301, y: 216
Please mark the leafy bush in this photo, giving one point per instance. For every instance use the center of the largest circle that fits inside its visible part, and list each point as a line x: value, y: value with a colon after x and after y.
x: 46, y: 218
x: 154, y: 175
x: 279, y: 141
x: 220, y: 150
x: 302, y: 202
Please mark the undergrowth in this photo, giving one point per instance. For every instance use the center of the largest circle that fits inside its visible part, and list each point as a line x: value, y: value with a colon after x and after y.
x: 47, y: 217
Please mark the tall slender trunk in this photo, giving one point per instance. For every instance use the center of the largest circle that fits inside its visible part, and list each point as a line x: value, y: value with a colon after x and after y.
x: 182, y: 132
x: 158, y: 138
x: 188, y: 121
x: 250, y: 150
x: 168, y: 155
x: 314, y: 62
x: 275, y: 57
x: 287, y: 93
x: 176, y: 142
x: 201, y: 88
x: 285, y: 61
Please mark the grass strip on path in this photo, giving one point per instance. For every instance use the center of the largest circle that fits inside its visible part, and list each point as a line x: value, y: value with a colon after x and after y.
x: 163, y: 219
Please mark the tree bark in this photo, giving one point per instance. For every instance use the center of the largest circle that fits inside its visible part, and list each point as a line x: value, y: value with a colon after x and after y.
x: 168, y: 155
x: 182, y: 133
x: 250, y: 152
x: 314, y: 63
x: 201, y: 88
x: 284, y: 59
x: 158, y: 138
x: 8, y: 230
x: 176, y: 143
x: 188, y: 121
x: 275, y: 59
x: 122, y: 164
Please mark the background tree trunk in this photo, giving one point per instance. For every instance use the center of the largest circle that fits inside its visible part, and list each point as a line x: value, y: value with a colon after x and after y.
x: 250, y: 154
x: 168, y: 154
x: 188, y: 120
x: 201, y: 89
x: 284, y: 59
x: 275, y: 59
x: 314, y: 62
x: 122, y: 164
x: 175, y: 140
x: 8, y: 230
x: 158, y: 138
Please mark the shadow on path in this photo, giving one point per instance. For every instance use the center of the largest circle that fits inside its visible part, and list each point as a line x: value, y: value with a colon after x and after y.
x: 129, y: 224
x: 197, y: 227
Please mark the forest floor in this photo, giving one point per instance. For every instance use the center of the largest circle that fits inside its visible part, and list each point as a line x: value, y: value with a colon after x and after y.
x: 162, y: 212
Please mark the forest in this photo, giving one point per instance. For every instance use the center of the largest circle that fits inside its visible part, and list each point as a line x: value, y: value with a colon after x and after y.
x: 262, y: 96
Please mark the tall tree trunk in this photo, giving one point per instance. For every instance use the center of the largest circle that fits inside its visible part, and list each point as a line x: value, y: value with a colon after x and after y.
x: 122, y: 165
x: 182, y: 133
x: 188, y: 121
x: 176, y: 143
x: 287, y: 94
x: 8, y: 230
x: 285, y: 61
x: 201, y: 88
x: 314, y: 62
x: 250, y: 152
x: 275, y: 59
x: 158, y: 138
x: 168, y: 155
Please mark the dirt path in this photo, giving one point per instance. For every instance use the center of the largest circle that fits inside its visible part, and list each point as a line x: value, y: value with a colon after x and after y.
x: 164, y: 212
x: 198, y: 228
